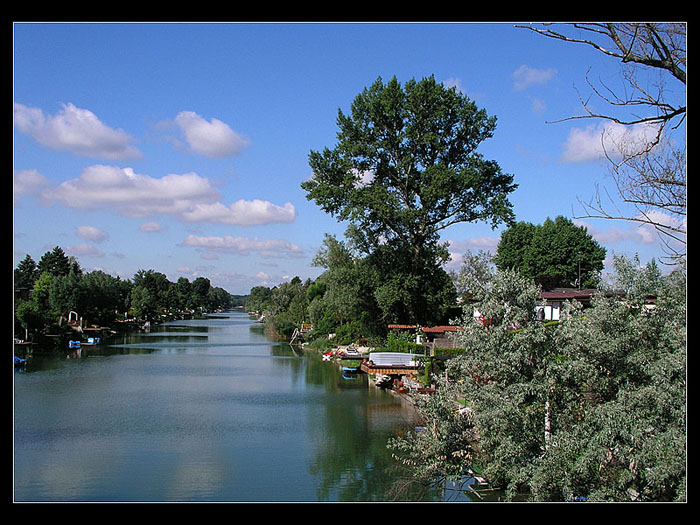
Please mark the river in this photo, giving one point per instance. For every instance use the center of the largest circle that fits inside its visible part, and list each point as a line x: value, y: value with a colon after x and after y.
x: 204, y: 410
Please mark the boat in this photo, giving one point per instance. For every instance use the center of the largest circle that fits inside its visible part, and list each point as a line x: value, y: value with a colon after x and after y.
x: 352, y: 366
x: 20, y: 362
x: 92, y: 341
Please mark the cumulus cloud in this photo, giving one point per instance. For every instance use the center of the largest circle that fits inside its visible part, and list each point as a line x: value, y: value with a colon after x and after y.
x: 271, y: 248
x: 595, y: 141
x: 90, y: 233
x: 150, y: 227
x: 242, y: 213
x: 28, y: 182
x: 212, y: 138
x: 84, y: 249
x: 132, y: 194
x: 526, y: 76
x: 75, y: 130
x: 187, y: 197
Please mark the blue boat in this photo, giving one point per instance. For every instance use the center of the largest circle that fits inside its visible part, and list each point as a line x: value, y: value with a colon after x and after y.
x: 19, y: 362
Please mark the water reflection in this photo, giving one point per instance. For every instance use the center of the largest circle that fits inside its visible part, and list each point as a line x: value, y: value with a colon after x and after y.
x: 205, y: 410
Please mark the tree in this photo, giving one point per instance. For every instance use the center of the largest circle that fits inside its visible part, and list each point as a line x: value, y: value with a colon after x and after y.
x: 649, y: 172
x: 57, y: 263
x: 258, y: 298
x: 25, y: 273
x: 592, y: 406
x: 200, y: 292
x: 405, y: 168
x: 555, y: 254
x: 143, y: 304
x: 183, y: 292
x: 38, y: 313
x: 102, y: 298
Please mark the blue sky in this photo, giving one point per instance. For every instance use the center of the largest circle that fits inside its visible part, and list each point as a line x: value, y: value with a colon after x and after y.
x: 181, y: 147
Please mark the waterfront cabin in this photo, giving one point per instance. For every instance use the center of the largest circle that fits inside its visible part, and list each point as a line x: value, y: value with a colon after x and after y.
x: 554, y: 300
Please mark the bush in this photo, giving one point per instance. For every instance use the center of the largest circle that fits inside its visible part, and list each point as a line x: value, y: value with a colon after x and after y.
x: 284, y: 324
x: 402, y: 343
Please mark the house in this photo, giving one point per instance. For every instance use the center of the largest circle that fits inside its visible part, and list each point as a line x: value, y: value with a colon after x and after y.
x: 554, y: 300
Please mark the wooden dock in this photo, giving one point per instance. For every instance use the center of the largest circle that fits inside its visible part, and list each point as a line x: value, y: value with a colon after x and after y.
x: 389, y: 370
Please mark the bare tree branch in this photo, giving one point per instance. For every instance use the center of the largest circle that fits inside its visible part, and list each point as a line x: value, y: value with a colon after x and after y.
x: 649, y: 176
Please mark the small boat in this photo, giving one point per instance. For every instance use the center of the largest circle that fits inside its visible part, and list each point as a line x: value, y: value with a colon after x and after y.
x: 20, y: 362
x: 92, y: 341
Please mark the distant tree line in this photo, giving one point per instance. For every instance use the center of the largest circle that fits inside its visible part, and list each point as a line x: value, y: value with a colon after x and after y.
x: 47, y: 291
x: 358, y: 295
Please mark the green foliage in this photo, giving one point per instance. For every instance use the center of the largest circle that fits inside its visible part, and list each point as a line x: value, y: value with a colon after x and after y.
x: 25, y: 274
x: 404, y: 168
x: 60, y: 286
x: 258, y: 299
x: 555, y: 254
x: 594, y: 405
x: 403, y: 343
x: 57, y: 263
x: 447, y: 352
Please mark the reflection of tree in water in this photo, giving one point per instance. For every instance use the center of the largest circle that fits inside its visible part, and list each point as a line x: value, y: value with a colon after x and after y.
x: 352, y: 461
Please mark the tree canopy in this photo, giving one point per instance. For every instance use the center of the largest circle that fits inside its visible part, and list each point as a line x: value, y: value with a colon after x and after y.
x: 593, y: 406
x: 554, y: 254
x: 406, y: 167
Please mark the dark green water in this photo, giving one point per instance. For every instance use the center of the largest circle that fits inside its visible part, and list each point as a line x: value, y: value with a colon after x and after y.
x: 205, y: 410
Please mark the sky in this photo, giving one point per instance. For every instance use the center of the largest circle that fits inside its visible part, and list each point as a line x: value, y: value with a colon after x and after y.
x: 181, y: 147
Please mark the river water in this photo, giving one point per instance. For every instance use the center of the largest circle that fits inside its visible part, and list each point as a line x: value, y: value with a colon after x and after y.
x: 200, y: 411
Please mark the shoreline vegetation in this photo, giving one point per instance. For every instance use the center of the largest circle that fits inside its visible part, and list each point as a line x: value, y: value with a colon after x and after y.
x: 589, y: 405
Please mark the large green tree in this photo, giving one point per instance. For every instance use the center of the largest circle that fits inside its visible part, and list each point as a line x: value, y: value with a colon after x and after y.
x: 406, y: 167
x: 556, y: 253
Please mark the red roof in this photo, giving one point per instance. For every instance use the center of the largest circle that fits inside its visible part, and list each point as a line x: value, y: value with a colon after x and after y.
x: 427, y: 329
x: 440, y: 329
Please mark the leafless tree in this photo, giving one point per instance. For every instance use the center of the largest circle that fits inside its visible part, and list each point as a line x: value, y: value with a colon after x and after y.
x: 649, y: 174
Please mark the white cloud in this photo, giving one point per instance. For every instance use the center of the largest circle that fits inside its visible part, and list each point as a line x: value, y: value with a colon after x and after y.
x: 457, y: 249
x: 454, y: 83
x: 131, y: 194
x: 150, y: 227
x: 84, y: 249
x: 242, y: 212
x: 272, y: 248
x: 641, y: 234
x: 76, y: 130
x: 28, y: 182
x: 212, y: 138
x: 91, y: 233
x: 187, y: 197
x: 595, y: 141
x: 526, y: 76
